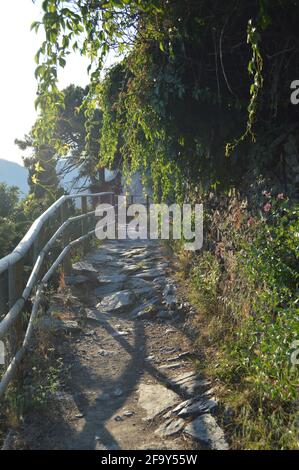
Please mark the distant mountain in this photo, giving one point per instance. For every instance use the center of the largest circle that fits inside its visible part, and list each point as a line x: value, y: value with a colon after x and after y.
x: 14, y: 174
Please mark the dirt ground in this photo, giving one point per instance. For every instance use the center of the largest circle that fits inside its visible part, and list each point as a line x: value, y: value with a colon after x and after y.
x: 110, y: 360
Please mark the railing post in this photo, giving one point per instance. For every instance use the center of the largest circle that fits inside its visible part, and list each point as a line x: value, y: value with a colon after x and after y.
x: 67, y: 265
x: 148, y: 210
x: 147, y: 204
x: 15, y: 290
x: 3, y: 295
x: 15, y: 276
x: 35, y: 249
x: 84, y: 223
x: 38, y: 245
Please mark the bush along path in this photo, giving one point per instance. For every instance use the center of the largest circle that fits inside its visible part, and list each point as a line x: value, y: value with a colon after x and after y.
x: 129, y: 380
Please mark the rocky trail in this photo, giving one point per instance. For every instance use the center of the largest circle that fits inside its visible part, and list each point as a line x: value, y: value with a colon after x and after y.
x: 129, y: 379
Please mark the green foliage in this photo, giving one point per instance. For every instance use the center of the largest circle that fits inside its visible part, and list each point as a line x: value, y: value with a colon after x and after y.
x: 70, y: 130
x: 16, y: 216
x: 205, y: 278
x: 270, y: 263
x: 186, y: 83
x: 9, y: 198
x: 255, y: 69
x: 247, y: 292
x: 44, y: 383
x: 8, y: 236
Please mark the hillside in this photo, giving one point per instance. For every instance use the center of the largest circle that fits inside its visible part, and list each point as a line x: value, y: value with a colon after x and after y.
x: 13, y: 174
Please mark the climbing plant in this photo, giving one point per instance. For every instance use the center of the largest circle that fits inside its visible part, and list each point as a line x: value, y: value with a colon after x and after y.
x: 193, y: 77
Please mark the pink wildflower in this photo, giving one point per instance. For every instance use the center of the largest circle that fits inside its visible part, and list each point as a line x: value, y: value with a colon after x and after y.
x: 280, y: 196
x: 267, y: 207
x: 266, y: 193
x: 250, y: 221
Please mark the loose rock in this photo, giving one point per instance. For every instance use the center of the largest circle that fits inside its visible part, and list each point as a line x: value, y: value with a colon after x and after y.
x: 107, y: 289
x: 85, y: 267
x: 112, y: 278
x: 150, y: 274
x: 206, y: 430
x: 116, y: 302
x: 196, y: 407
x: 170, y: 427
x: 128, y: 414
x: 171, y: 366
x: 140, y: 286
x: 156, y: 399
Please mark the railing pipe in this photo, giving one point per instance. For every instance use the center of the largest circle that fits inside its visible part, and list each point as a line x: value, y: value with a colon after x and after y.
x: 28, y: 240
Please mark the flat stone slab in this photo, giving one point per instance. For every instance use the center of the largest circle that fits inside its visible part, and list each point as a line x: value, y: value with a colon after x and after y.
x: 180, y: 379
x: 84, y: 266
x: 156, y: 399
x: 195, y: 407
x: 146, y: 309
x: 112, y: 278
x: 190, y: 378
x: 206, y: 430
x: 179, y: 357
x: 176, y: 365
x: 193, y: 386
x: 162, y: 265
x: 100, y: 257
x: 190, y: 383
x: 132, y: 268
x: 118, y: 301
x: 107, y: 289
x: 134, y: 252
x: 170, y: 427
x: 93, y: 314
x: 140, y: 286
x: 150, y: 274
x: 142, y: 257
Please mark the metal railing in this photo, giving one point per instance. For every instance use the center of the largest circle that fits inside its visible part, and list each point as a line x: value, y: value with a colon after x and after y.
x: 31, y: 265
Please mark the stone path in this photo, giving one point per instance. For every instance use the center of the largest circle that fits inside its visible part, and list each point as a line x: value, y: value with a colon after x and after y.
x: 129, y: 380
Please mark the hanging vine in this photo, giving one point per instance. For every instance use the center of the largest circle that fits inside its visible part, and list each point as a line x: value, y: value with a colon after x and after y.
x: 176, y: 98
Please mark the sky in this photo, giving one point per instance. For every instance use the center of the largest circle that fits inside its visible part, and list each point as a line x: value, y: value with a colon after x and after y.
x: 18, y: 46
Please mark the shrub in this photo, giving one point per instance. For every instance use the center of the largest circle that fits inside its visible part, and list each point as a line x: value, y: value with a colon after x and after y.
x: 246, y: 290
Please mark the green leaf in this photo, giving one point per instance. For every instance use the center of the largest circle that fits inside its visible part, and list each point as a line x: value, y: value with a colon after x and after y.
x: 35, y: 25
x: 62, y: 62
